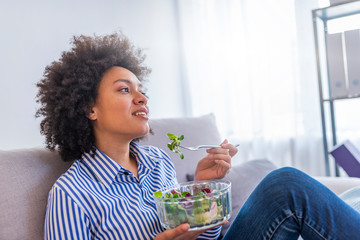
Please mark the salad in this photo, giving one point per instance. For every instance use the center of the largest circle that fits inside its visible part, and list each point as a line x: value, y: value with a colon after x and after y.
x: 174, y: 145
x: 203, y: 207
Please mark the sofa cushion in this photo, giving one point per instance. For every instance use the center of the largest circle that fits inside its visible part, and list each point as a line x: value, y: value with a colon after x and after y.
x: 26, y: 177
x: 244, y: 178
x: 196, y: 130
x: 339, y: 184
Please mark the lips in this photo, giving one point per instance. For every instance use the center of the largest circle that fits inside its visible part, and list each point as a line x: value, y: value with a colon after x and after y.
x: 143, y: 112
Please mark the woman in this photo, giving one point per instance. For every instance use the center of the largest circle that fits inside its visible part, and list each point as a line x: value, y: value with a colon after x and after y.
x: 94, y: 110
x: 94, y: 107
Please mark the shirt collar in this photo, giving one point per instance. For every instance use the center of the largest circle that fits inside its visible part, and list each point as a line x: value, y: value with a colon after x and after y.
x: 102, y: 166
x: 148, y: 156
x: 107, y: 169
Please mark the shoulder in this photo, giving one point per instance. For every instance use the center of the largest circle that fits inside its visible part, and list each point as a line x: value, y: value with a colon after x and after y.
x: 72, y: 180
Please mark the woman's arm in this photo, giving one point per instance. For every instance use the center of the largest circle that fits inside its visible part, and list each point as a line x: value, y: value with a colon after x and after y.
x: 64, y: 219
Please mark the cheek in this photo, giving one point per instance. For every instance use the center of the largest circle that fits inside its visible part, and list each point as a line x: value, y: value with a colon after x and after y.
x: 118, y: 108
x: 122, y: 110
x: 112, y: 108
x: 112, y: 112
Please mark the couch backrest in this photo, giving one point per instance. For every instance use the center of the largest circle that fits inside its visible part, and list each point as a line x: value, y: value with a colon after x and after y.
x: 26, y: 175
x: 197, y: 131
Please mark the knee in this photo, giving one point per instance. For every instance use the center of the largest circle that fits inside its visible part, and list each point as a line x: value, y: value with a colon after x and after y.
x: 287, y: 173
x: 285, y: 178
x: 279, y: 187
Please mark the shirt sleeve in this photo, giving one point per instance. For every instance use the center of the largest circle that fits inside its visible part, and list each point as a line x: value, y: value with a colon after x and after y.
x: 64, y: 219
x: 212, y: 234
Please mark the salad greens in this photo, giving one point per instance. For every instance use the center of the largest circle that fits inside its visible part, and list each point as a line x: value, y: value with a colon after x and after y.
x: 174, y: 145
x: 198, y: 209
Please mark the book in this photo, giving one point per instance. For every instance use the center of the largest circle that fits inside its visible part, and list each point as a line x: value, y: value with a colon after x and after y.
x: 347, y: 156
x: 336, y: 67
x: 352, y: 46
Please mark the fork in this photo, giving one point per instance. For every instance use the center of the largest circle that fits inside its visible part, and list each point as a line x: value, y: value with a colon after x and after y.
x: 203, y: 146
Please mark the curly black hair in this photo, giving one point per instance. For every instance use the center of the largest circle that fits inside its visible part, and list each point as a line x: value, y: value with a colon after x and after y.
x: 69, y: 89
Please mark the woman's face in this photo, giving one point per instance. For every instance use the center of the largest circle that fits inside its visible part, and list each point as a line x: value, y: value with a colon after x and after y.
x: 120, y: 110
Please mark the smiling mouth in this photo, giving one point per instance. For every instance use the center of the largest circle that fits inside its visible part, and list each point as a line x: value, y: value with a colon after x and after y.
x: 140, y: 114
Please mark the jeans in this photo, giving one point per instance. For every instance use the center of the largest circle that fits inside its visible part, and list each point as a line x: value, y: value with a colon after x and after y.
x: 288, y: 203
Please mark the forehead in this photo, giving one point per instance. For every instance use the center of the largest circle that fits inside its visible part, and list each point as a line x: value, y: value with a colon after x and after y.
x: 114, y: 74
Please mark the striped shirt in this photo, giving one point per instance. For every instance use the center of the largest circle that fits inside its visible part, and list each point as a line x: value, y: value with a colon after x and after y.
x: 98, y: 199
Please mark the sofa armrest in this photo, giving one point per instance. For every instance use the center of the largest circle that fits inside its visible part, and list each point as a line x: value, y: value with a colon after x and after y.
x: 339, y: 184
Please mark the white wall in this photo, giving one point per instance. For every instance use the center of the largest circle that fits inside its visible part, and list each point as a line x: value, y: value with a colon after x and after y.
x: 34, y: 33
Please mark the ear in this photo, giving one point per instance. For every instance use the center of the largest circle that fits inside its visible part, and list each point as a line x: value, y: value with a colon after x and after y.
x: 91, y: 115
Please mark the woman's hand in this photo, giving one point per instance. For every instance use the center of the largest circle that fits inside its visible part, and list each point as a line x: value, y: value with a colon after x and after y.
x: 179, y: 233
x: 182, y: 232
x: 217, y: 163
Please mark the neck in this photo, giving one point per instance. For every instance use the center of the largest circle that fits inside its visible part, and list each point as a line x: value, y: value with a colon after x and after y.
x: 119, y: 151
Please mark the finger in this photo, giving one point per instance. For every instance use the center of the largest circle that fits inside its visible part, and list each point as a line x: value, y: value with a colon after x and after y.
x: 233, y: 151
x: 172, y: 233
x: 223, y: 163
x: 226, y: 222
x: 198, y: 232
x: 221, y: 159
x: 231, y: 148
x: 225, y: 141
x: 217, y: 150
x: 224, y: 157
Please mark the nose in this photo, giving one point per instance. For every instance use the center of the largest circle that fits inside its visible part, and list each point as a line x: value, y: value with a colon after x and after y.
x: 140, y: 98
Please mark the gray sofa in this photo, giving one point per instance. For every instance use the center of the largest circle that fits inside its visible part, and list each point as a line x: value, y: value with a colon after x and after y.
x: 26, y: 175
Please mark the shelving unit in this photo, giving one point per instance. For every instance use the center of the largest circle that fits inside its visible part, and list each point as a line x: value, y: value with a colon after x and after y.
x: 321, y: 17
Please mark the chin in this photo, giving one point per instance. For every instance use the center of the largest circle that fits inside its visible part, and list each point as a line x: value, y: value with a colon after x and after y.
x: 140, y: 136
x: 145, y: 132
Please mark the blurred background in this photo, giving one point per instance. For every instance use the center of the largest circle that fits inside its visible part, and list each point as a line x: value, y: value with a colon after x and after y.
x: 250, y: 62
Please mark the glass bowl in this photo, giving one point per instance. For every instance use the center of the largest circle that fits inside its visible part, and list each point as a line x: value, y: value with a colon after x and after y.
x: 201, y: 204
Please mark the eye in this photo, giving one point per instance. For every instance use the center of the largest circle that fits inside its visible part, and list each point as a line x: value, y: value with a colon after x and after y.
x: 124, y: 89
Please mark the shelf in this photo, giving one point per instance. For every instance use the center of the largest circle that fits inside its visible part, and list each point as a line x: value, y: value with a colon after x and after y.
x: 320, y: 22
x: 340, y: 10
x: 341, y: 98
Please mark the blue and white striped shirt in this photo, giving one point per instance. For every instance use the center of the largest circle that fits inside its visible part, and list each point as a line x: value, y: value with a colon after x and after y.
x: 98, y: 199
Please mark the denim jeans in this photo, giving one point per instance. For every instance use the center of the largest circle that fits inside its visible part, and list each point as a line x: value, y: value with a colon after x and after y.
x: 288, y: 203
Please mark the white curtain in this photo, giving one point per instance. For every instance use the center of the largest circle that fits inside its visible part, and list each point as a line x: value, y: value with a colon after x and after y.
x: 252, y: 63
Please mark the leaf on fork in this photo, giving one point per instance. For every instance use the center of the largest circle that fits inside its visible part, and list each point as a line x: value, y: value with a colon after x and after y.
x: 174, y: 145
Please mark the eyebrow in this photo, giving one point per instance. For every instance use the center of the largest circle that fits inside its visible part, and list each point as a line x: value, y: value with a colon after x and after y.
x: 127, y: 81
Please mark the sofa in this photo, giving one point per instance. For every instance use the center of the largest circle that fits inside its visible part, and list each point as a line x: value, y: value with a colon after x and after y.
x: 26, y: 175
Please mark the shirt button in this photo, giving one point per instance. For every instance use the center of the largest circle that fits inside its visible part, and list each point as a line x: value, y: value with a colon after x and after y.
x: 126, y: 173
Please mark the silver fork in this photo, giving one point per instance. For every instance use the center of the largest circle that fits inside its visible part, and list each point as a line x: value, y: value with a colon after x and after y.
x: 203, y: 146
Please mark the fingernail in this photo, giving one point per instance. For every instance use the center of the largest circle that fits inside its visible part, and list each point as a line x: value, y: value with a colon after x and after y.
x: 185, y: 227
